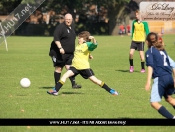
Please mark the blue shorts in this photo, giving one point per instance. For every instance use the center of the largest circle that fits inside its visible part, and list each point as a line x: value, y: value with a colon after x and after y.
x: 162, y: 86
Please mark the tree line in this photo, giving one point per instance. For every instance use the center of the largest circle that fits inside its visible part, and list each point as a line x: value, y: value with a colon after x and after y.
x: 97, y: 16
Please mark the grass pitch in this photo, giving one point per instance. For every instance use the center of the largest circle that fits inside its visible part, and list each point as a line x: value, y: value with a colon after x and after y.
x: 28, y: 57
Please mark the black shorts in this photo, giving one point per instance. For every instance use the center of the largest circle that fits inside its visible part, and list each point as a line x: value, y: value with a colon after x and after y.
x: 62, y: 60
x: 137, y: 45
x: 85, y: 73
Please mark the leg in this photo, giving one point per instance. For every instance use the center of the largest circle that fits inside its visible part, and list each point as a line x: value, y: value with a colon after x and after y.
x: 162, y: 110
x: 72, y: 79
x: 103, y: 85
x: 142, y: 61
x: 60, y: 83
x: 157, y: 91
x: 57, y: 74
x: 171, y: 101
x: 131, y: 54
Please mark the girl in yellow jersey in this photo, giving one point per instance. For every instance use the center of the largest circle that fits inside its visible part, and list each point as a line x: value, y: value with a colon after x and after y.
x: 139, y: 29
x: 80, y: 64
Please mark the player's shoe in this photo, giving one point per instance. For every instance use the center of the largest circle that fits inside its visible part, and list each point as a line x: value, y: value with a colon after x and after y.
x: 113, y: 92
x: 76, y: 86
x: 52, y: 92
x: 142, y: 71
x: 131, y: 69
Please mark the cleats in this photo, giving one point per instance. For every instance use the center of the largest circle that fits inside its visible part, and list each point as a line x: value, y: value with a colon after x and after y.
x: 142, y: 71
x: 76, y: 86
x: 131, y: 69
x: 52, y: 92
x: 113, y: 92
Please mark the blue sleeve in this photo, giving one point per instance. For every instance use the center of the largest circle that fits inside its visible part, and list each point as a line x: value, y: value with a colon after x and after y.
x: 91, y: 46
x: 149, y: 58
x: 172, y: 63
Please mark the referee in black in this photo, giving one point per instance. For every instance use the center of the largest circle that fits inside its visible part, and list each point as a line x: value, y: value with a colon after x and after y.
x: 62, y: 48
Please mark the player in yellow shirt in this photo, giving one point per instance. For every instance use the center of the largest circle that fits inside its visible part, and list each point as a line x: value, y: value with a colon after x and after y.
x: 80, y: 64
x: 139, y: 28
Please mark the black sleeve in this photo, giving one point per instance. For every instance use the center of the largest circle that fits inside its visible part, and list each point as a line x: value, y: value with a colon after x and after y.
x: 57, y: 33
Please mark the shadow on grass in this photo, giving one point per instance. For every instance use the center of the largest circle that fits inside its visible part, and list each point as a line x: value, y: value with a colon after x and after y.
x: 45, y: 87
x: 71, y: 93
x: 125, y: 71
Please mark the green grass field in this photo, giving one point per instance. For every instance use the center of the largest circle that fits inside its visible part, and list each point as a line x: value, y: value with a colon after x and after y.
x: 28, y: 57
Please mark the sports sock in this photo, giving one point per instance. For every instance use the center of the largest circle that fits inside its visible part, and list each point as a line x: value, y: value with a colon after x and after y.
x: 72, y: 79
x: 56, y: 77
x: 59, y: 85
x: 131, y: 62
x: 162, y: 110
x: 143, y: 64
x: 103, y: 85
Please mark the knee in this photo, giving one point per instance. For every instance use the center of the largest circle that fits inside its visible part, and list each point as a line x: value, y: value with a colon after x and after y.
x: 170, y: 100
x: 131, y: 55
x: 155, y: 105
x: 58, y: 69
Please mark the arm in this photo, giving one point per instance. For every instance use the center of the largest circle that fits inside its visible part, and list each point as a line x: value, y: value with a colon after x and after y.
x: 92, y: 39
x: 146, y: 28
x: 59, y: 47
x: 174, y: 76
x: 57, y: 37
x: 149, y: 76
x: 172, y: 64
x: 93, y: 44
x: 149, y: 64
x: 132, y: 29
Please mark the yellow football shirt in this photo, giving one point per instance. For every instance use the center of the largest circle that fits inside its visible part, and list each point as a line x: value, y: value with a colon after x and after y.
x: 81, y: 55
x: 139, y: 30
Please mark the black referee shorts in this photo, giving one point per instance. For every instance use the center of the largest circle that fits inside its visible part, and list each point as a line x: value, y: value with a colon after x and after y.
x: 62, y: 60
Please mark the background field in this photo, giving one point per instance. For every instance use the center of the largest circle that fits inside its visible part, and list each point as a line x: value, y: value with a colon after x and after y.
x: 28, y: 57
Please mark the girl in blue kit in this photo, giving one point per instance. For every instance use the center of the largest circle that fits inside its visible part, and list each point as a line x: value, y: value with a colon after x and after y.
x: 160, y: 67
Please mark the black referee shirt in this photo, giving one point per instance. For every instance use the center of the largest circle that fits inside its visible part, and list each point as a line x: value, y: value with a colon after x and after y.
x: 66, y: 36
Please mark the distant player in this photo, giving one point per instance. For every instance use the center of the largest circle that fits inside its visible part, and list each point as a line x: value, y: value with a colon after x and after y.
x: 80, y: 64
x: 128, y: 29
x: 121, y: 30
x: 139, y: 28
x: 160, y: 69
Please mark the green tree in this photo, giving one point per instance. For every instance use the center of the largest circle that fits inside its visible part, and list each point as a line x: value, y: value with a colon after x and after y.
x: 116, y: 8
x: 7, y: 6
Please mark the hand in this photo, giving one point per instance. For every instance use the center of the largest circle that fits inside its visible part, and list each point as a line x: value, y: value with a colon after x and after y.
x: 62, y: 51
x: 91, y: 57
x: 91, y: 37
x: 148, y: 86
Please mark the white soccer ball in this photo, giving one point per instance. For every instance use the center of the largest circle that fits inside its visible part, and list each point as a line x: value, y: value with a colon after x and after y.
x: 25, y: 82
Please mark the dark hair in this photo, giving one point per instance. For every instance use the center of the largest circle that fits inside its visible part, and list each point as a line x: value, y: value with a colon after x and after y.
x: 85, y: 35
x: 152, y: 39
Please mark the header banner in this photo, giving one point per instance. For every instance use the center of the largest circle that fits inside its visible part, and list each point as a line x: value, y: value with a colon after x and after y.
x: 157, y: 11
